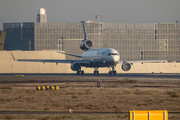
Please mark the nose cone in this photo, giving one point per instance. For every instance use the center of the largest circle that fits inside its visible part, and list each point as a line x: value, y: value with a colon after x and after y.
x: 116, y: 58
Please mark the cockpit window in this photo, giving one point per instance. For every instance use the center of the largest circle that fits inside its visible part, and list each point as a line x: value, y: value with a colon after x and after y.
x: 112, y: 54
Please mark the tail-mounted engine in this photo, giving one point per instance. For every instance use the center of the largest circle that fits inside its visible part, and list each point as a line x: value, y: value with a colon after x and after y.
x: 75, y: 66
x: 126, y: 66
x: 86, y: 44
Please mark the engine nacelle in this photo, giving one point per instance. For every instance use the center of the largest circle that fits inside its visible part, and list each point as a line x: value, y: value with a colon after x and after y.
x: 75, y: 66
x: 86, y: 44
x: 126, y: 66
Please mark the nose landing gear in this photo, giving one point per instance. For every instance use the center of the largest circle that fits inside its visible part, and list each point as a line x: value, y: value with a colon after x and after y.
x: 113, y: 71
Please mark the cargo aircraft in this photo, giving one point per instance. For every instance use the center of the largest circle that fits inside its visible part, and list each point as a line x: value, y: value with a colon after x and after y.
x: 94, y: 58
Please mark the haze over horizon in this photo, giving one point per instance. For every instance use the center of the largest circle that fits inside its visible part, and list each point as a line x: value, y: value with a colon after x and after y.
x: 114, y: 11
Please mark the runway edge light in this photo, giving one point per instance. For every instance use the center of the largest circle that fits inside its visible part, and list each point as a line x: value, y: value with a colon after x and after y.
x: 70, y: 110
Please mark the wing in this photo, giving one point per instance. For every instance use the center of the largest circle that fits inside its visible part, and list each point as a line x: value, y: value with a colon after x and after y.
x: 51, y: 60
x: 70, y: 54
x: 143, y: 61
x: 146, y: 61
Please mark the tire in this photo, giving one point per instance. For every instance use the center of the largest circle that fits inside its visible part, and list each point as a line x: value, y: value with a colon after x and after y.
x: 78, y: 72
x: 97, y: 72
x: 94, y: 72
x: 110, y: 73
x: 82, y: 72
x: 114, y: 72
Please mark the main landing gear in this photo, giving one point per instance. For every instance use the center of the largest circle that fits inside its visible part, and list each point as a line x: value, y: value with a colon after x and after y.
x: 113, y: 71
x: 96, y: 71
x: 80, y: 72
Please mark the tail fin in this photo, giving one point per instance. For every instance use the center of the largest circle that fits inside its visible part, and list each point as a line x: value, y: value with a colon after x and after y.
x: 85, y: 34
x: 2, y: 39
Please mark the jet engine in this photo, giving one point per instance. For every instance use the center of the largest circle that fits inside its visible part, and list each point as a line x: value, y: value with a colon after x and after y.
x: 75, y: 66
x: 86, y: 44
x: 126, y: 66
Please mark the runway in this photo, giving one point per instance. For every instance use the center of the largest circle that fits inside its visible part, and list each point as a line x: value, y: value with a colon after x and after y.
x: 138, y: 75
x: 53, y: 78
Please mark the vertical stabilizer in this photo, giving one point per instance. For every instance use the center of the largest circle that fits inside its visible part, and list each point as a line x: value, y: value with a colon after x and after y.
x: 2, y: 39
x: 86, y: 43
x: 85, y: 34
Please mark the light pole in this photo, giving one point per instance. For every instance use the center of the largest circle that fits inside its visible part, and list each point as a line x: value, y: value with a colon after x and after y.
x: 62, y: 42
x: 98, y: 17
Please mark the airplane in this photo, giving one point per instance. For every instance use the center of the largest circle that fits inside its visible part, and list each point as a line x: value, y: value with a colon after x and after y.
x: 2, y: 39
x: 94, y: 58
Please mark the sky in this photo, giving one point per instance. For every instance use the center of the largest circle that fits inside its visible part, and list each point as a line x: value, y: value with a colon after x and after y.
x: 112, y: 11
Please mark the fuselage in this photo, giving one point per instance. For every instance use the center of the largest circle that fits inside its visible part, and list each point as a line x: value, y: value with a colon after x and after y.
x: 106, y: 57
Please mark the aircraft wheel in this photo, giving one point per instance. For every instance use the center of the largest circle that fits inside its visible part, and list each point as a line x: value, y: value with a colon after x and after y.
x: 78, y: 72
x: 96, y: 72
x: 114, y: 72
x: 82, y: 72
x: 110, y: 72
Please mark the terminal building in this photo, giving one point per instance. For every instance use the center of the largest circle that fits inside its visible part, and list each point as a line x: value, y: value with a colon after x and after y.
x: 132, y: 40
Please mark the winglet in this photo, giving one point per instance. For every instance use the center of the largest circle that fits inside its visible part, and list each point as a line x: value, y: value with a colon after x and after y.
x: 13, y: 57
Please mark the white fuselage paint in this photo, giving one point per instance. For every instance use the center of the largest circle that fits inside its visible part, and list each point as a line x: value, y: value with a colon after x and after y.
x: 101, y: 57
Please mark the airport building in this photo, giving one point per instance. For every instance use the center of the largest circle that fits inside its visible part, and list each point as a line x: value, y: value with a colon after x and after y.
x: 131, y: 40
